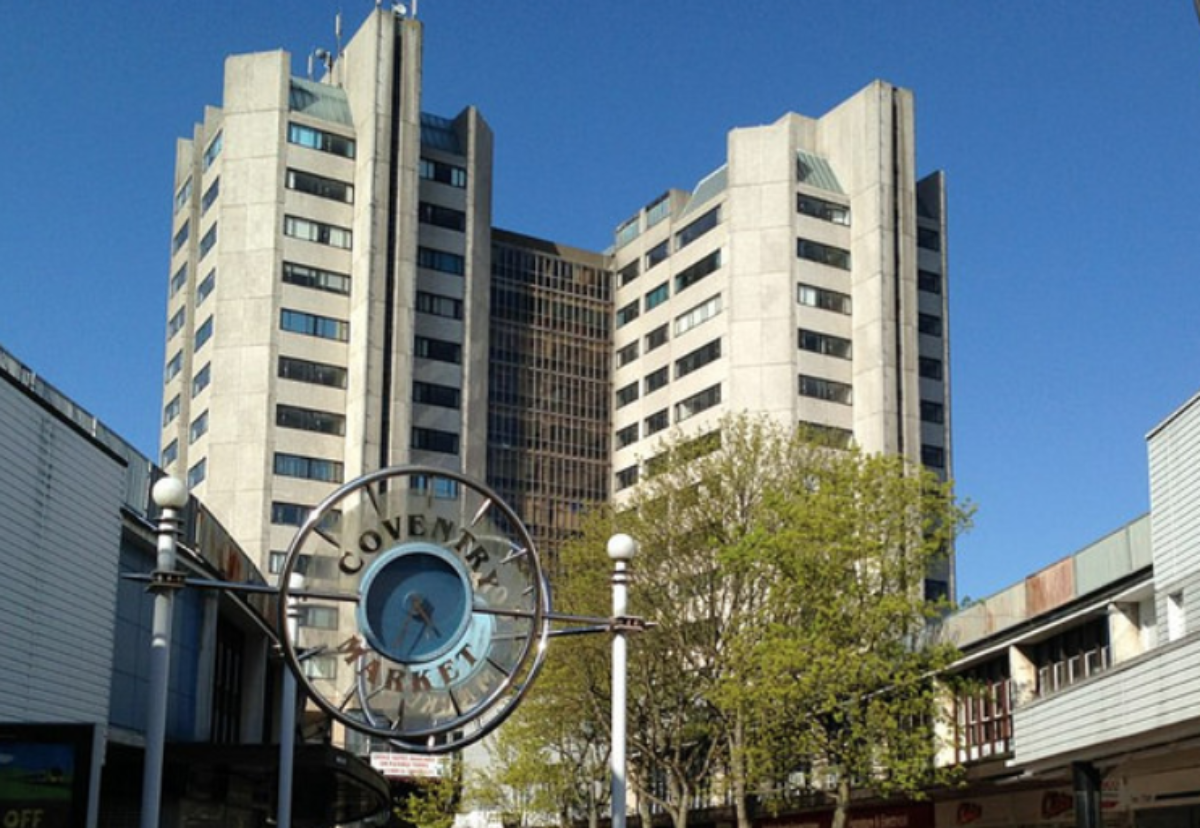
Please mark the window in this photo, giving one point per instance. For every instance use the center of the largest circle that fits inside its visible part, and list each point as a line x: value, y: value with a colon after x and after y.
x: 657, y: 296
x: 929, y: 281
x: 197, y: 473
x: 930, y: 368
x: 206, y: 287
x: 929, y: 324
x: 433, y: 439
x: 213, y: 150
x: 181, y: 237
x: 199, y: 427
x: 174, y: 366
x: 627, y: 436
x: 438, y: 305
x: 657, y: 254
x: 309, y: 324
x: 628, y: 273
x: 171, y: 410
x: 315, y: 278
x: 627, y: 394
x: 294, y: 514
x: 1071, y: 656
x: 305, y: 136
x: 658, y: 210
x: 627, y: 354
x: 309, y: 419
x: 441, y: 261
x: 697, y: 228
x: 170, y: 453
x: 179, y: 279
x: 443, y: 396
x: 437, y: 349
x: 698, y: 315
x: 308, y: 468
x: 656, y: 338
x: 933, y: 412
x: 318, y: 232
x: 203, y: 333
x: 826, y: 344
x: 439, y: 216
x: 320, y: 667
x: 656, y: 422
x: 933, y: 456
x: 210, y: 195
x: 656, y: 379
x: 628, y: 313
x: 828, y: 435
x: 983, y: 712
x: 175, y: 323
x: 696, y: 403
x: 315, y: 373
x: 823, y: 254
x: 698, y: 358
x: 202, y: 378
x: 824, y: 389
x: 443, y: 173
x: 929, y: 239
x: 820, y: 208
x: 320, y: 618
x: 443, y: 487
x: 627, y: 477
x: 210, y: 239
x: 320, y: 186
x: 691, y: 274
x: 183, y: 196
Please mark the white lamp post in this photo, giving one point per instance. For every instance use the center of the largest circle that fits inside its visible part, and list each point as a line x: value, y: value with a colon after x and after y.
x: 621, y: 549
x: 170, y: 495
x: 287, y: 715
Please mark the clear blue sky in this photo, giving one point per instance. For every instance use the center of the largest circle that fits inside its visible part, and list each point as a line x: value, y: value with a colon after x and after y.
x: 1069, y: 132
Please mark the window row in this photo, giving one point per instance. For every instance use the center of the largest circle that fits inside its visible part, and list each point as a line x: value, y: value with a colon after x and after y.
x: 830, y: 300
x: 437, y: 305
x: 441, y: 261
x: 825, y: 254
x: 313, y: 138
x: 210, y: 195
x: 440, y: 350
x: 310, y: 324
x: 698, y: 315
x: 294, y: 514
x: 443, y: 173
x: 820, y: 208
x: 213, y: 150
x: 316, y: 278
x: 826, y: 389
x: 310, y: 419
x: 320, y: 186
x: 209, y: 241
x: 439, y: 216
x: 308, y: 468
x: 314, y: 373
x: 443, y: 396
x: 318, y: 232
x: 435, y: 439
x: 827, y: 344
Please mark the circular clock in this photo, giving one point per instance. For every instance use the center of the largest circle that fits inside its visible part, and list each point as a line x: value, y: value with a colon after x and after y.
x: 423, y: 615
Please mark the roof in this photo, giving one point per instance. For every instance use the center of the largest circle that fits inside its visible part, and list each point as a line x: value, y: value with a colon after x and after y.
x: 320, y: 100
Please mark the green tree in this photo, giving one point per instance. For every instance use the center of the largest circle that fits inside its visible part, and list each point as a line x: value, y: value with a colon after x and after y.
x: 434, y: 802
x: 785, y: 581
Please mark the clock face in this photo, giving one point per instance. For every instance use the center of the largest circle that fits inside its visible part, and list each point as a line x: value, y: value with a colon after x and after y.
x: 431, y: 603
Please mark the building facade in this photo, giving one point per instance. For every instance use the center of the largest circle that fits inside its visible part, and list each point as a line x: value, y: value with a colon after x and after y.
x: 328, y: 297
x: 804, y: 278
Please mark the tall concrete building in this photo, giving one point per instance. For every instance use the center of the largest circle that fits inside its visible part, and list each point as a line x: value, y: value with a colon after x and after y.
x: 339, y: 301
x: 804, y: 278
x: 328, y: 300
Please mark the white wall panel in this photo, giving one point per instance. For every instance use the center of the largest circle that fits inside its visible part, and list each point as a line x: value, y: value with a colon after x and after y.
x: 60, y: 530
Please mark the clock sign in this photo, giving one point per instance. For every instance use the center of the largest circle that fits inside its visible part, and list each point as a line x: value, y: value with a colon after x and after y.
x: 422, y: 611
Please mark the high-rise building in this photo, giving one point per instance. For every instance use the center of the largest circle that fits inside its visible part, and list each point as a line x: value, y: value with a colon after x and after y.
x: 339, y: 301
x: 804, y: 278
x: 551, y: 352
x: 328, y: 299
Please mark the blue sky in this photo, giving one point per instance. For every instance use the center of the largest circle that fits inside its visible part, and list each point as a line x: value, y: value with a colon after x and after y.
x: 1068, y: 132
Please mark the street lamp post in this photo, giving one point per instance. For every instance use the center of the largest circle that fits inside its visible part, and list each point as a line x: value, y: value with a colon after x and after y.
x: 621, y: 549
x: 170, y: 495
x: 287, y: 716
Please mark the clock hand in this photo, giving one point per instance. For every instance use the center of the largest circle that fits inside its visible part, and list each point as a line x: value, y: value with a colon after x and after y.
x: 408, y: 616
x: 424, y: 611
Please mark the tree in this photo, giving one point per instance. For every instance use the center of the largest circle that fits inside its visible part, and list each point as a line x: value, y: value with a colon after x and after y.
x: 785, y: 579
x: 434, y: 802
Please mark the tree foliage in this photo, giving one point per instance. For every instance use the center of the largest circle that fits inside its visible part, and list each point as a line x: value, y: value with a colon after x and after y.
x: 785, y: 580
